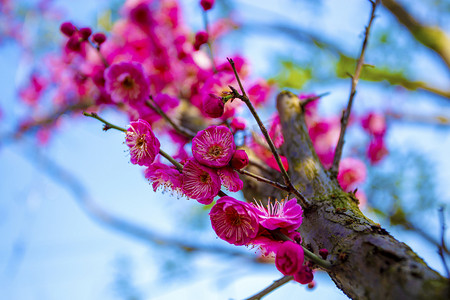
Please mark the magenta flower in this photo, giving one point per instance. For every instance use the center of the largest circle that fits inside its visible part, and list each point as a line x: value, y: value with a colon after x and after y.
x: 144, y: 146
x: 230, y: 179
x: 163, y: 175
x: 377, y: 150
x: 285, y: 214
x: 214, y: 146
x: 352, y: 171
x: 290, y: 257
x: 126, y: 82
x: 234, y: 221
x: 374, y: 123
x: 199, y: 182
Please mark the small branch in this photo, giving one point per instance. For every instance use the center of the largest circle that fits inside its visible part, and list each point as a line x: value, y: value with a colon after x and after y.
x: 432, y: 37
x: 266, y: 180
x: 172, y: 160
x: 244, y: 97
x: 107, y: 124
x: 442, y: 246
x: 183, y: 131
x: 344, y: 120
x: 276, y: 284
x: 308, y: 100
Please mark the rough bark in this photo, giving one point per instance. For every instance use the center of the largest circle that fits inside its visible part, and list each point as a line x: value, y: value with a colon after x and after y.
x: 368, y: 263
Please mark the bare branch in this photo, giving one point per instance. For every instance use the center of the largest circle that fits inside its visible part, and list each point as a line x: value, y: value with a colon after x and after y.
x: 344, y: 120
x: 442, y: 246
x: 276, y: 284
x: 305, y: 203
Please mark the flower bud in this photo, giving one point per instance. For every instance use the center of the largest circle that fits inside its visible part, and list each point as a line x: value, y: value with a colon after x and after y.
x: 99, y: 38
x: 74, y: 43
x: 200, y: 38
x: 207, y: 4
x: 289, y: 258
x: 67, y: 29
x: 323, y: 253
x: 213, y: 106
x: 304, y: 276
x: 85, y: 33
x: 240, y: 159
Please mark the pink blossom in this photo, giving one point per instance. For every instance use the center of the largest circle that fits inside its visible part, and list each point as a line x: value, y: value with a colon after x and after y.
x: 304, y: 275
x: 214, y: 146
x: 374, y: 123
x: 213, y: 106
x: 239, y: 159
x: 289, y: 258
x: 200, y: 38
x: 230, y: 179
x: 163, y: 175
x: 234, y: 221
x: 324, y: 136
x: 199, y: 182
x: 259, y: 92
x: 275, y: 132
x: 126, y: 82
x: 352, y: 171
x: 285, y: 214
x: 377, y: 150
x: 238, y: 123
x: 143, y: 144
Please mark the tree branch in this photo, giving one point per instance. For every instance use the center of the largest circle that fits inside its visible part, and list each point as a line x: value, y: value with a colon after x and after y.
x: 345, y: 116
x: 276, y: 284
x: 431, y: 37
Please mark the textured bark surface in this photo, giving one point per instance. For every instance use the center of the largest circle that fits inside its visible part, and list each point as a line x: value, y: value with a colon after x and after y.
x: 368, y: 263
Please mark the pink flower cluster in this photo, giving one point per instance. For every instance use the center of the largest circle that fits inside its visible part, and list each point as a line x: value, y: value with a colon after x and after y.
x: 214, y: 152
x: 240, y: 223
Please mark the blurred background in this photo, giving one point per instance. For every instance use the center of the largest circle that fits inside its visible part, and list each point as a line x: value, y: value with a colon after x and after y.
x: 78, y: 221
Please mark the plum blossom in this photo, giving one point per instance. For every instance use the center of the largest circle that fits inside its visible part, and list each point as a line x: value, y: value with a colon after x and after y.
x: 200, y: 182
x: 230, y: 179
x: 239, y: 159
x: 163, y: 175
x: 234, y: 221
x: 143, y: 144
x: 285, y: 214
x: 352, y: 171
x: 126, y: 82
x: 214, y: 146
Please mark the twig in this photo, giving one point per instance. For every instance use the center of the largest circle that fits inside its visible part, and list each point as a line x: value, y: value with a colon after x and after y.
x: 184, y: 131
x: 345, y: 116
x: 276, y: 284
x: 244, y: 97
x: 167, y: 156
x: 266, y: 180
x: 442, y: 246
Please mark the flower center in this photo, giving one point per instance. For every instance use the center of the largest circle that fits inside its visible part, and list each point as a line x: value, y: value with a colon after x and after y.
x: 233, y: 219
x: 128, y: 82
x: 140, y: 141
x: 215, y: 151
x: 205, y: 178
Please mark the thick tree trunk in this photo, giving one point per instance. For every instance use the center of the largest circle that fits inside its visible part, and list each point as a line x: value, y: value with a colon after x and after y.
x: 368, y: 263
